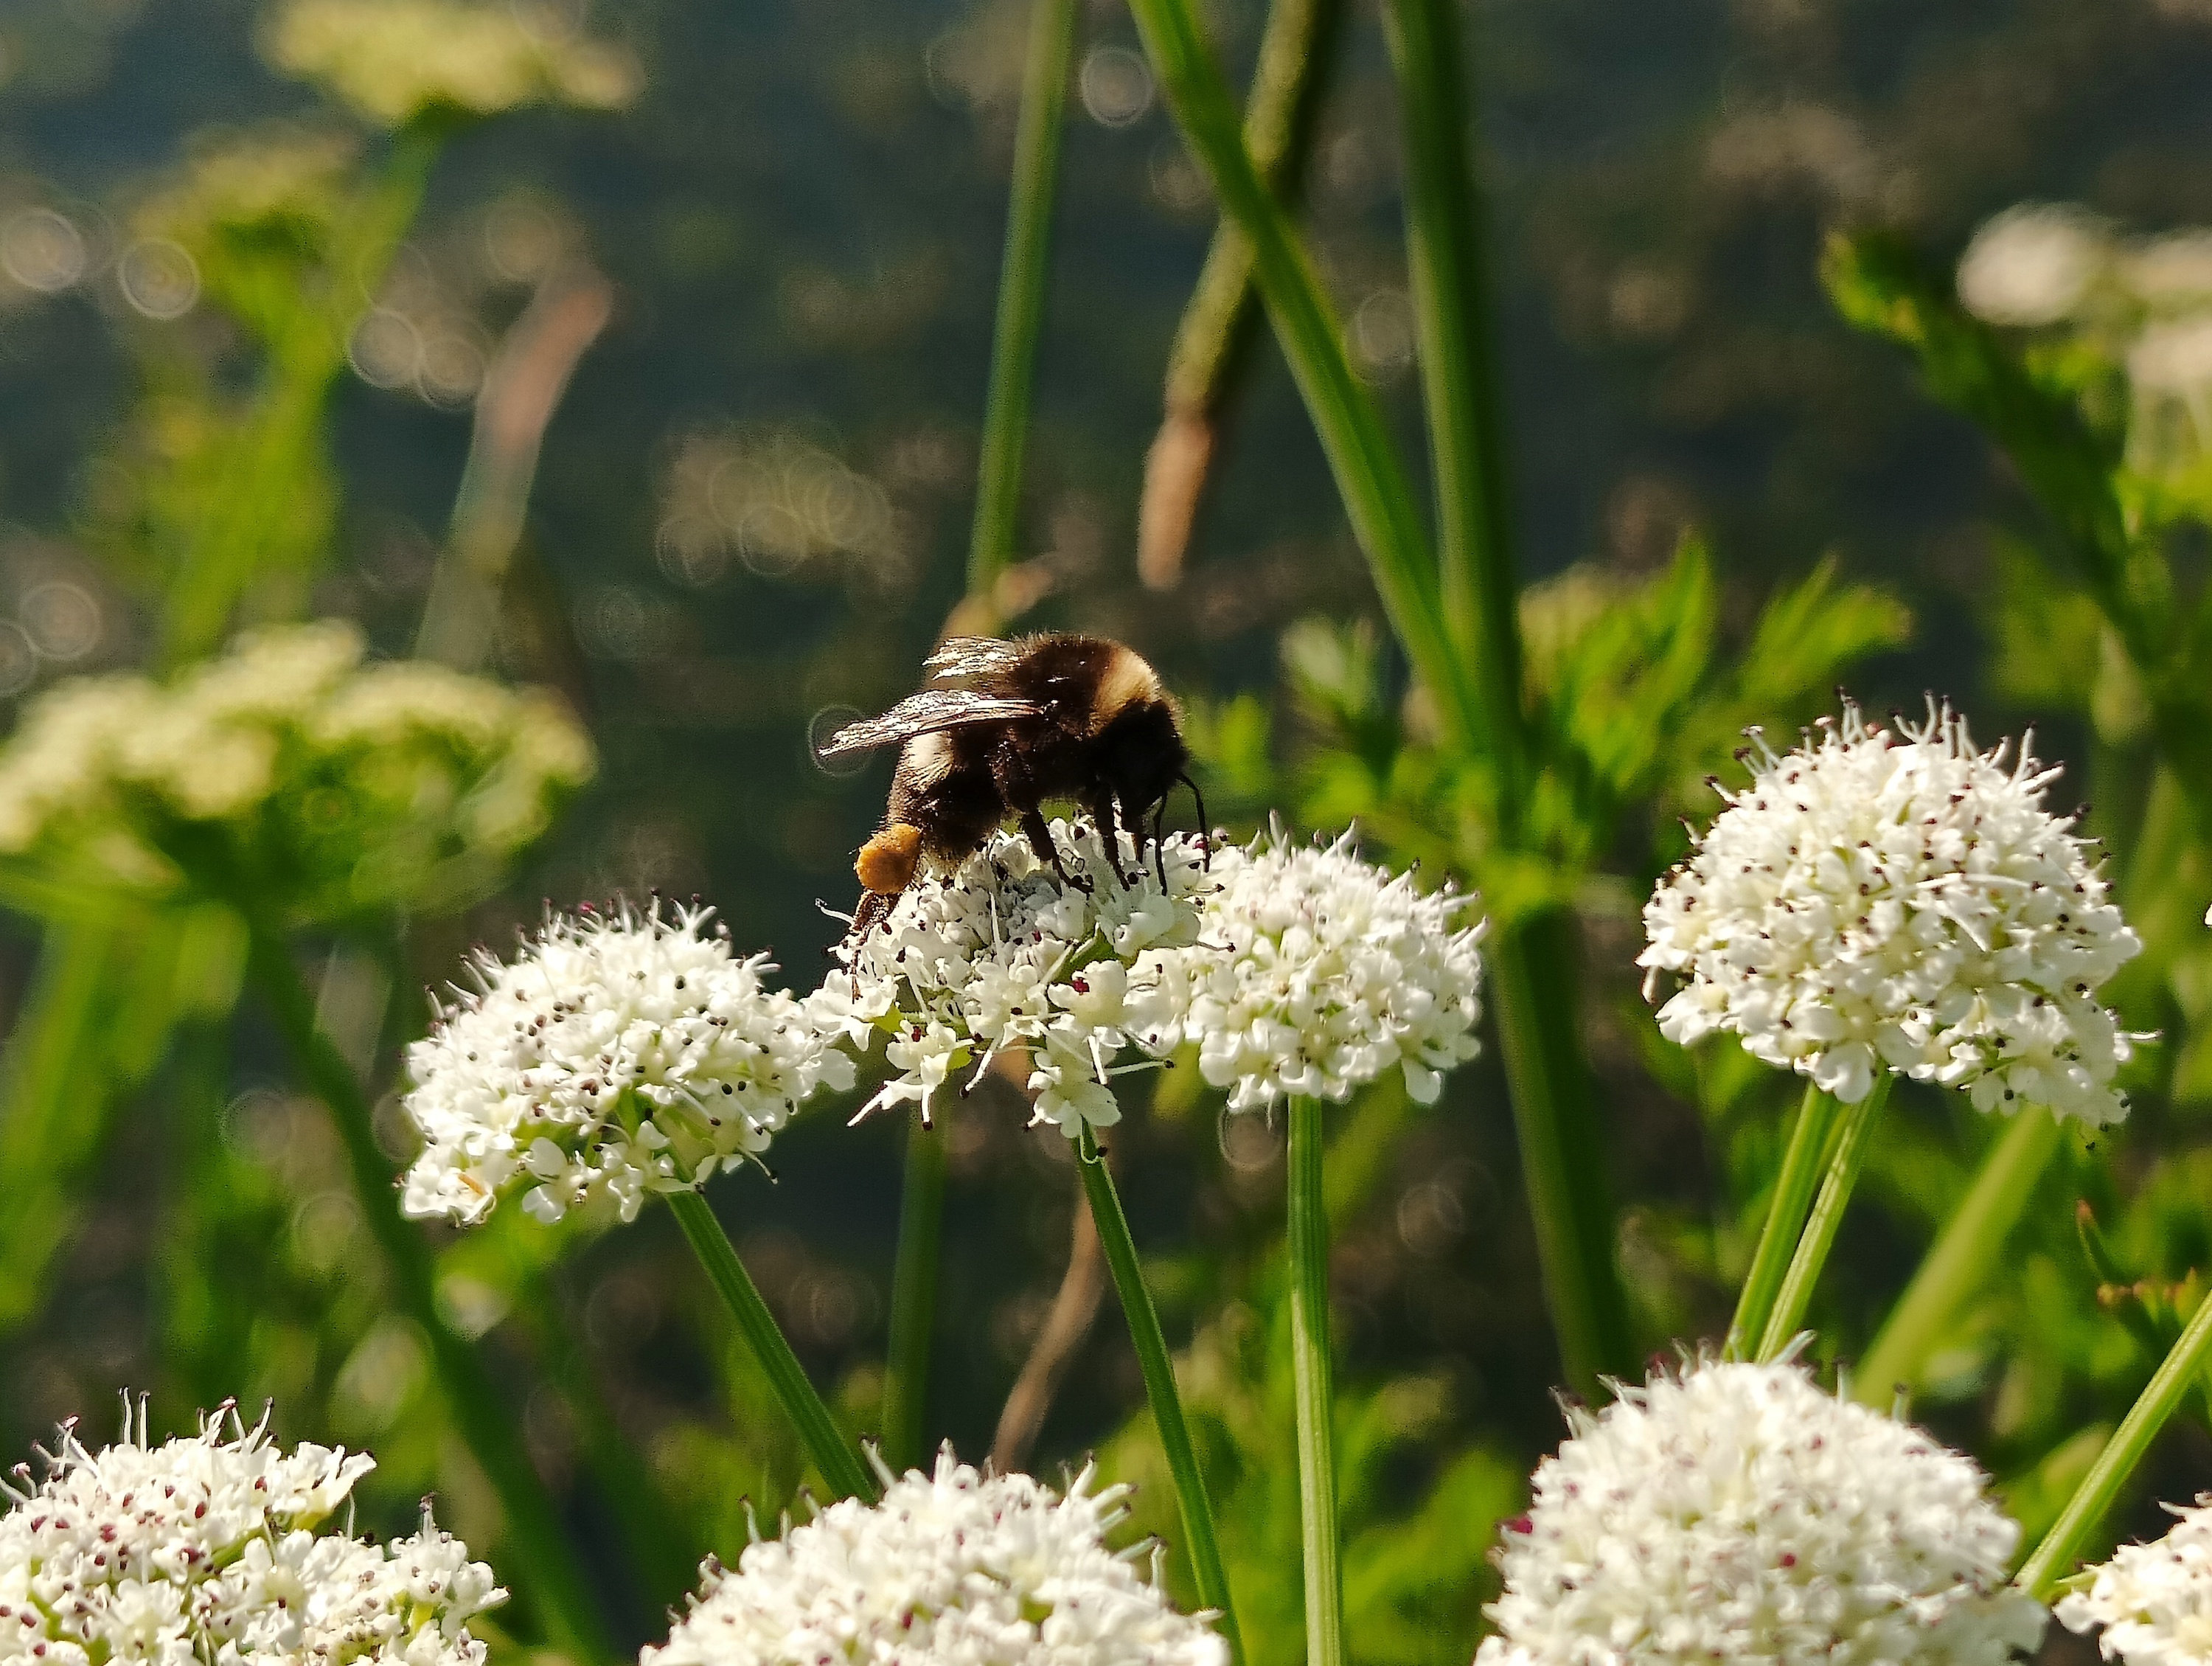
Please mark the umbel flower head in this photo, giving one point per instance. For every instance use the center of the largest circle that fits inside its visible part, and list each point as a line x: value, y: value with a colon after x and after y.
x: 957, y: 1566
x: 2154, y: 1601
x: 220, y: 1547
x: 1315, y: 972
x: 1738, y: 1513
x: 616, y: 1055
x: 347, y: 787
x: 392, y: 59
x: 1000, y: 953
x: 1897, y: 900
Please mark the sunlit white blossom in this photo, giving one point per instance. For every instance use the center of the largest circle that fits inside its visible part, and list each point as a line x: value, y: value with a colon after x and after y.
x: 1001, y: 953
x: 1316, y: 972
x: 350, y: 785
x: 1738, y: 1513
x: 614, y: 1055
x: 955, y: 1568
x: 1876, y: 900
x: 215, y: 1548
x: 2153, y: 1602
x: 2032, y: 264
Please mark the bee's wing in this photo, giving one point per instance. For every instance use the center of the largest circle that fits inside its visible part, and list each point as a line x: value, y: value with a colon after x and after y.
x: 922, y: 713
x: 970, y: 656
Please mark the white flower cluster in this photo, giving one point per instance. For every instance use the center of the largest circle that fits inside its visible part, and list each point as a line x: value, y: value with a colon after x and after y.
x: 1899, y: 901
x: 206, y: 1549
x: 2155, y: 1601
x: 1737, y: 1513
x: 1316, y: 973
x: 355, y: 786
x: 1000, y: 953
x: 392, y: 59
x: 1294, y: 970
x: 616, y: 1055
x: 953, y: 1569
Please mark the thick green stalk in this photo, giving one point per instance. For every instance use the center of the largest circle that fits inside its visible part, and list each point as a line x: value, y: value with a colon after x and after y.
x: 1533, y: 981
x: 1201, y: 1543
x: 1848, y: 1145
x: 1458, y: 373
x: 1314, y: 1388
x: 913, y: 1296
x: 1785, y: 1220
x: 1377, y: 499
x: 836, y: 1458
x: 557, y: 1584
x: 76, y: 965
x: 1022, y: 277
x: 2053, y: 1559
x: 1959, y: 1261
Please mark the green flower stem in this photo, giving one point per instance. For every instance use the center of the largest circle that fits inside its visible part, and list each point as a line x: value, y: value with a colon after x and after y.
x: 1962, y: 1256
x: 1369, y: 478
x: 277, y: 445
x: 837, y: 1460
x: 913, y: 1296
x: 1314, y: 1388
x: 1848, y: 1144
x: 2100, y: 1488
x: 1159, y: 1368
x: 1785, y: 1220
x: 558, y: 1585
x: 1459, y: 373
x: 39, y: 1112
x: 1532, y: 979
x: 1022, y: 276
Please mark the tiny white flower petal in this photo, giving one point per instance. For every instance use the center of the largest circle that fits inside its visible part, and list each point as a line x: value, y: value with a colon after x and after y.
x: 1899, y: 901
x: 1738, y: 1513
x: 957, y: 1566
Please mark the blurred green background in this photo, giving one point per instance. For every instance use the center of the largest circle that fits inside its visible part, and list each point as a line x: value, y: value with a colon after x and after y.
x: 750, y: 518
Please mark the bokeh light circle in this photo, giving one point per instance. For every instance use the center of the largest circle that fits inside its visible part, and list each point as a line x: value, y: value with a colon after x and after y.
x: 159, y: 279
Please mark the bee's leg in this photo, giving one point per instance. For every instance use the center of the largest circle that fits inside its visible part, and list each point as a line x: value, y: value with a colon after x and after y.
x: 1040, y: 838
x: 1159, y: 849
x: 1205, y: 833
x: 1101, y: 807
x: 875, y: 908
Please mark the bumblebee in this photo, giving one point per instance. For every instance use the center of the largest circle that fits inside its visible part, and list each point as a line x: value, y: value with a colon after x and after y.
x: 997, y: 730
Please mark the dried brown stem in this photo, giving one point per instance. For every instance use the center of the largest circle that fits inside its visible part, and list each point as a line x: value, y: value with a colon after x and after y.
x: 1069, y: 1321
x: 1279, y: 123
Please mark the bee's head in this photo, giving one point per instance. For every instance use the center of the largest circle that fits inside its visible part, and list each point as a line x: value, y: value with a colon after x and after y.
x: 1141, y: 751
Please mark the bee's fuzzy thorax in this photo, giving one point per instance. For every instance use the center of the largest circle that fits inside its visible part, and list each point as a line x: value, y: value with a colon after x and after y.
x: 1125, y: 680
